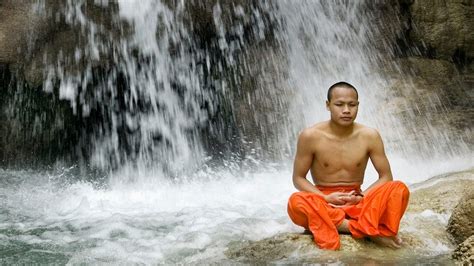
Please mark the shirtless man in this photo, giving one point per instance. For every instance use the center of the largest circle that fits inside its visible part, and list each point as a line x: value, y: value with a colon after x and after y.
x: 336, y: 152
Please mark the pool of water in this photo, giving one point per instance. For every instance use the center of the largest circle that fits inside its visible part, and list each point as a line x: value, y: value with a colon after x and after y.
x: 53, y: 218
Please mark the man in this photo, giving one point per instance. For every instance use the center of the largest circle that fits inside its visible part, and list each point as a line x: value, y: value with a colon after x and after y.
x: 336, y: 152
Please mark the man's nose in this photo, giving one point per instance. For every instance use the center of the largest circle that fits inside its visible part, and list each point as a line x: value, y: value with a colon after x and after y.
x: 346, y: 109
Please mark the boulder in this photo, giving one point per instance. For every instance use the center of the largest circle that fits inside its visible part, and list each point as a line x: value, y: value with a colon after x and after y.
x: 464, y: 253
x: 461, y: 222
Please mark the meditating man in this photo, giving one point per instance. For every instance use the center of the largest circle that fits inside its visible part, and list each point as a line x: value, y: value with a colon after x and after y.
x: 337, y: 151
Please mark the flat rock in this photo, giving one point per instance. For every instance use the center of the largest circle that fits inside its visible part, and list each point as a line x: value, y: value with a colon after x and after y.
x: 294, y: 247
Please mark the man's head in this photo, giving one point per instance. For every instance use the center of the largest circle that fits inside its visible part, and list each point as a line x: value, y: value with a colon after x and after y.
x: 343, y: 103
x: 341, y: 84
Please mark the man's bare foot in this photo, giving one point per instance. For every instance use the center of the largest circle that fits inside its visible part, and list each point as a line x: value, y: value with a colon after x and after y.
x: 387, y: 241
x: 344, y: 227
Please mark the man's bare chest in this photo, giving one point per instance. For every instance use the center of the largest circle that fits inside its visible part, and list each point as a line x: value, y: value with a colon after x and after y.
x: 341, y: 154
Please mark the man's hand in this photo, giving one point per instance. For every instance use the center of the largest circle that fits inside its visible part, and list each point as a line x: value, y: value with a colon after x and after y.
x: 337, y: 198
x: 341, y: 199
x: 353, y: 198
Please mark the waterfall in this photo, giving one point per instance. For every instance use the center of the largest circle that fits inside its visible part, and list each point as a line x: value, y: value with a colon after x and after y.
x: 160, y: 89
x: 173, y: 87
x: 150, y: 97
x: 192, y: 109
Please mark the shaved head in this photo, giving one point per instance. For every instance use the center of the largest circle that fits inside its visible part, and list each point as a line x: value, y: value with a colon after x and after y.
x: 341, y: 84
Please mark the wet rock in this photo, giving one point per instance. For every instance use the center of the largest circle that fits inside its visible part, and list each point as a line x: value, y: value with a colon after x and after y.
x: 442, y: 196
x: 286, y: 246
x: 461, y: 223
x: 293, y: 247
x: 464, y: 253
x: 274, y: 248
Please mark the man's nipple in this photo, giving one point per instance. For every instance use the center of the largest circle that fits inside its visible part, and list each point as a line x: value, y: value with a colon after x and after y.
x: 326, y: 164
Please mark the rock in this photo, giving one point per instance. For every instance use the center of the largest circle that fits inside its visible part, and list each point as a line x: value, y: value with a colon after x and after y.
x: 433, y: 70
x: 461, y: 223
x: 300, y: 248
x: 464, y: 253
x: 446, y: 105
x: 16, y: 22
x: 274, y: 248
x: 443, y: 195
x: 284, y: 246
x: 445, y: 26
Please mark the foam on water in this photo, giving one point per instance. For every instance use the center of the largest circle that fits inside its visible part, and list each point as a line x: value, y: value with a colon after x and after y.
x: 161, y: 221
x: 150, y: 222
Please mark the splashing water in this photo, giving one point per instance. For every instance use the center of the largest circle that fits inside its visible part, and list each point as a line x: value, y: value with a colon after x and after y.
x: 151, y: 98
x: 329, y: 43
x: 157, y: 97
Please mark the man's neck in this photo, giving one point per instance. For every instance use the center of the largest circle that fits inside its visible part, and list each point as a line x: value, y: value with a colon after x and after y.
x: 341, y: 131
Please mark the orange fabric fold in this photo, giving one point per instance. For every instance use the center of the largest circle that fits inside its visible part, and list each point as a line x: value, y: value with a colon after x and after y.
x: 377, y: 214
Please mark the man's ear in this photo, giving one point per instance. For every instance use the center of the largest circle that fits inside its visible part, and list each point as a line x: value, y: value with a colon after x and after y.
x: 327, y: 105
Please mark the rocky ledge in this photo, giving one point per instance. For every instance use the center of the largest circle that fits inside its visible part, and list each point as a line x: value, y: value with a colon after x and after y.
x: 423, y: 231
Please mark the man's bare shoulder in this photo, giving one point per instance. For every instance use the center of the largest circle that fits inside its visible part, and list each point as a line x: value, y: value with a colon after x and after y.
x: 315, y: 131
x: 367, y: 132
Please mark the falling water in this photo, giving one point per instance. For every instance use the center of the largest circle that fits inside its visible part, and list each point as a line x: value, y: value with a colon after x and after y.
x: 174, y: 194
x: 152, y: 119
x: 330, y: 43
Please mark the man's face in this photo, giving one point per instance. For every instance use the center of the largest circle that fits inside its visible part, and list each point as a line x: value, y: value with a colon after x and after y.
x: 343, y: 106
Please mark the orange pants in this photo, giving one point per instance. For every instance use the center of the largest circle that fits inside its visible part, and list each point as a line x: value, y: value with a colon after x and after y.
x: 377, y: 214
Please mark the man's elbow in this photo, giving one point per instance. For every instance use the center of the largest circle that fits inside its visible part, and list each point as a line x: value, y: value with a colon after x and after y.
x: 296, y: 182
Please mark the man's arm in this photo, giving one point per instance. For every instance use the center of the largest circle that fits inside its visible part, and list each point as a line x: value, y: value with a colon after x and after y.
x: 379, y: 159
x: 303, y: 160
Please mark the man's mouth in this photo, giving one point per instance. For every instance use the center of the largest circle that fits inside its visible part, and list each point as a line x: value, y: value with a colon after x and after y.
x: 346, y: 118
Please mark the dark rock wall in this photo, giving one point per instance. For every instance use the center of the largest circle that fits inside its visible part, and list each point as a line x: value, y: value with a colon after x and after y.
x: 43, y: 127
x: 37, y: 126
